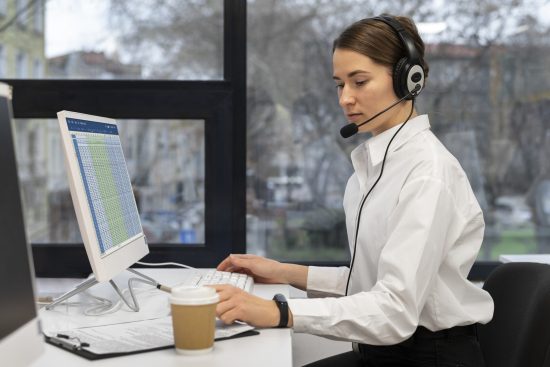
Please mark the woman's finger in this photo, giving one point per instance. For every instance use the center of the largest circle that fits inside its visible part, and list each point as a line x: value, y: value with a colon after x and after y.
x: 224, y: 264
x: 230, y: 316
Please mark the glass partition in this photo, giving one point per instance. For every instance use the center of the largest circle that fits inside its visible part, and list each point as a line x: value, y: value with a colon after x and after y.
x: 111, y: 39
x: 166, y: 163
x: 487, y: 96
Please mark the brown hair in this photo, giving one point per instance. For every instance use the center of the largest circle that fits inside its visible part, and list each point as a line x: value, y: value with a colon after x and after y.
x: 377, y: 40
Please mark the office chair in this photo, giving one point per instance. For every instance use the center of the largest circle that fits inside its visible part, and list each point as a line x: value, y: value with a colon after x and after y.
x: 519, y: 333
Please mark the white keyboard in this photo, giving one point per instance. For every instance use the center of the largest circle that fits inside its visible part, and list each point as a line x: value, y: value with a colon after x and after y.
x: 242, y: 281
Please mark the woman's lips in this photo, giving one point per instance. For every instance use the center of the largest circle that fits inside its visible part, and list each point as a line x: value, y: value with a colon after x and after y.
x: 355, y: 117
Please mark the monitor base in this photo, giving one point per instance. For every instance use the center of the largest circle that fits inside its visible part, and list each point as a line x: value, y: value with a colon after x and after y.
x: 88, y: 283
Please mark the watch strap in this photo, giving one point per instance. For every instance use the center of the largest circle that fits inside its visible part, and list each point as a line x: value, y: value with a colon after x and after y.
x: 282, y: 305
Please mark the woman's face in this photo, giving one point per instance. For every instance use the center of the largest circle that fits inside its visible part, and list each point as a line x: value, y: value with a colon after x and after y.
x: 364, y: 89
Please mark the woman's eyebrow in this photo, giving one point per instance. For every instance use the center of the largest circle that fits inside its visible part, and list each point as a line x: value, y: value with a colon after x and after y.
x: 352, y: 74
x: 355, y: 72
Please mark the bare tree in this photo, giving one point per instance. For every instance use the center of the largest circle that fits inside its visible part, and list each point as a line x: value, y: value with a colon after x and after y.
x: 292, y: 106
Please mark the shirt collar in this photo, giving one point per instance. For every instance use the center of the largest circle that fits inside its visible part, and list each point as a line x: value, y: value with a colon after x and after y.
x: 376, y: 146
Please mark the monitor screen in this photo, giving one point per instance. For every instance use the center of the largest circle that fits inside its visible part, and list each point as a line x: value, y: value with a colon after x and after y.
x: 102, y: 193
x: 106, y: 181
x: 20, y: 337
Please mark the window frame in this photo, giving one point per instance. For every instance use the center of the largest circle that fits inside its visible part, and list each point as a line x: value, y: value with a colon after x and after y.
x: 222, y: 106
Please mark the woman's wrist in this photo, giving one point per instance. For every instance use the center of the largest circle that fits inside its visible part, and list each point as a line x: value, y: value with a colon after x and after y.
x: 285, y: 273
x: 284, y: 317
x: 295, y: 275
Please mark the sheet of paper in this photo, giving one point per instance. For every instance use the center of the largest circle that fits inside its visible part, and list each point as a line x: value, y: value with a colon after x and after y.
x: 135, y: 336
x: 226, y: 331
x: 153, y: 304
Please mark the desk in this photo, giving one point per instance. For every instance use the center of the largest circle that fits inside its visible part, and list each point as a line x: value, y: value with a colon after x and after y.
x: 531, y: 258
x: 273, y: 347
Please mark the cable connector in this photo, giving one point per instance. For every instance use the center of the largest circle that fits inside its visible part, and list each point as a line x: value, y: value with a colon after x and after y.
x: 164, y: 288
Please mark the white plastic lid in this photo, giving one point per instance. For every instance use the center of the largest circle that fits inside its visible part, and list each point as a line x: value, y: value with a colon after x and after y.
x: 185, y: 295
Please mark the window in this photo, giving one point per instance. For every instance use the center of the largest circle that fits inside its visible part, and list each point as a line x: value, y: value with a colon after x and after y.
x: 169, y: 188
x: 21, y: 7
x: 37, y: 70
x: 39, y: 16
x: 3, y: 7
x: 170, y: 40
x: 487, y: 97
x: 176, y: 40
x: 21, y: 65
x: 189, y: 133
x: 2, y: 62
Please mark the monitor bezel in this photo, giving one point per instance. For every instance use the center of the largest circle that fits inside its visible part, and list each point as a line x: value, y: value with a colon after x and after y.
x: 103, y: 267
x: 24, y: 344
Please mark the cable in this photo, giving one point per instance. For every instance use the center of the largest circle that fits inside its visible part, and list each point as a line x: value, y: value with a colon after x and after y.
x: 104, y: 303
x: 106, y: 306
x: 101, y: 310
x: 109, y: 307
x: 164, y: 264
x: 101, y: 303
x: 368, y: 193
x: 46, y: 300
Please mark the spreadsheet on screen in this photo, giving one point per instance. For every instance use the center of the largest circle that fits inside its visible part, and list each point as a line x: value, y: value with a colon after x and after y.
x: 106, y: 182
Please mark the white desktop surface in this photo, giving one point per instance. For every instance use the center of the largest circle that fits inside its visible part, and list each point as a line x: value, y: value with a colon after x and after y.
x: 273, y: 347
x: 531, y: 258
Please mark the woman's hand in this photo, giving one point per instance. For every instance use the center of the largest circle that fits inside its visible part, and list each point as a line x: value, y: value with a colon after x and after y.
x: 261, y: 269
x: 236, y: 304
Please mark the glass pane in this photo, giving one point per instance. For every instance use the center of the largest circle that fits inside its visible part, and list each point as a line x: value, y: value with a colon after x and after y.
x: 486, y: 95
x: 165, y: 161
x: 112, y: 39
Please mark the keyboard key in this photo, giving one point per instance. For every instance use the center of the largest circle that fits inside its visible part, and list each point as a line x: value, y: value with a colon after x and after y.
x: 211, y: 277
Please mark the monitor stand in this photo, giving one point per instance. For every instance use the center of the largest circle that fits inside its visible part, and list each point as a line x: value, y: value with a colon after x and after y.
x: 88, y: 283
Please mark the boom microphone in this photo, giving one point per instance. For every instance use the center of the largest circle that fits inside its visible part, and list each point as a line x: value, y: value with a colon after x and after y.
x: 352, y: 129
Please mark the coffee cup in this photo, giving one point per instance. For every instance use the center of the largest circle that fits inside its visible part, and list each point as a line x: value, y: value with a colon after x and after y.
x: 193, y: 318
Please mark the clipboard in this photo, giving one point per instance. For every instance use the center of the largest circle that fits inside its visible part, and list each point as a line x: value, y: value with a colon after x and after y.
x: 78, y: 347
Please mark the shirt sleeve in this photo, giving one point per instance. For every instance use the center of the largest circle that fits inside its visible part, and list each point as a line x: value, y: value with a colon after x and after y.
x: 420, y: 233
x: 326, y: 281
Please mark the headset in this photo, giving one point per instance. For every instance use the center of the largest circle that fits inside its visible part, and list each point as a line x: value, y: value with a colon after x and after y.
x: 408, y: 82
x: 408, y: 73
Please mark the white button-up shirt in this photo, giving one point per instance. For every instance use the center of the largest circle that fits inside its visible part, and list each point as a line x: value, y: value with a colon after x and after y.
x: 419, y: 234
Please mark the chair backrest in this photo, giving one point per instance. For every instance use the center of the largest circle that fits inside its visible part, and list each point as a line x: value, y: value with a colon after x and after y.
x: 519, y: 333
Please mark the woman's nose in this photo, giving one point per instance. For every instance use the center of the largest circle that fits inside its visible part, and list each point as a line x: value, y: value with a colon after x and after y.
x: 346, y: 97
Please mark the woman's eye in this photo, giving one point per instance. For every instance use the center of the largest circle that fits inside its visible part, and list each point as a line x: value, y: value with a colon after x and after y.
x: 339, y: 86
x: 360, y: 82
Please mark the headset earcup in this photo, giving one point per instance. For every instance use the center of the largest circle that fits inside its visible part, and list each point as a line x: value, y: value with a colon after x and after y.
x: 400, y: 78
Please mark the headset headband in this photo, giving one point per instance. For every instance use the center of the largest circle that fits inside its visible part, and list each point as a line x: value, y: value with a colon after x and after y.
x: 402, y: 33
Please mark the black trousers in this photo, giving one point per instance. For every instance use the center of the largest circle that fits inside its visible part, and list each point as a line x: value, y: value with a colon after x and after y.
x: 456, y: 347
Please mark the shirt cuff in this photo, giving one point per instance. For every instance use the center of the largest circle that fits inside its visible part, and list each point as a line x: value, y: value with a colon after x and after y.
x: 327, y: 280
x: 305, y: 312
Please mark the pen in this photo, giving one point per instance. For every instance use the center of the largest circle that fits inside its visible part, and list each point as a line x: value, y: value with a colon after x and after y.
x: 44, y: 299
x: 164, y: 288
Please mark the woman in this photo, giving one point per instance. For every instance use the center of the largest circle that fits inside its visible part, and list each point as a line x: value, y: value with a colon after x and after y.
x: 414, y: 225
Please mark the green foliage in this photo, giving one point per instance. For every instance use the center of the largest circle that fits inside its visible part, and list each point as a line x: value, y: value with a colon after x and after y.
x: 515, y: 241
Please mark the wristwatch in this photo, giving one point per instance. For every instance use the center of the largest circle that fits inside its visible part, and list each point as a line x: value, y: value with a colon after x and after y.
x: 282, y: 305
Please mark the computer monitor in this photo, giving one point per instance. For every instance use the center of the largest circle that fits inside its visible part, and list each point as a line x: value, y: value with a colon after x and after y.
x: 20, y: 338
x: 102, y: 193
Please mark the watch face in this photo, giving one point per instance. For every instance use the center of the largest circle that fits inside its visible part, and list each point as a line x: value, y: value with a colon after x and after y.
x: 279, y: 298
